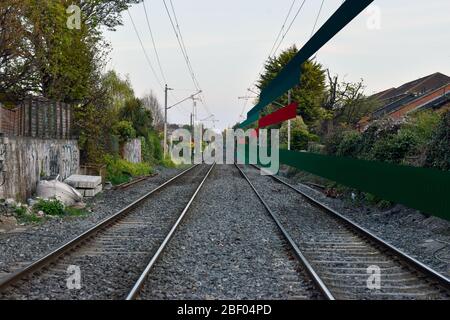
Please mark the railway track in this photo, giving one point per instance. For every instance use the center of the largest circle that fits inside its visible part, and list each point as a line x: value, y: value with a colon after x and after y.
x: 229, y: 261
x: 318, y: 253
x: 345, y: 260
x: 112, y: 254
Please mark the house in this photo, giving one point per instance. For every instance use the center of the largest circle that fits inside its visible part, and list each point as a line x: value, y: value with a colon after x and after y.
x: 427, y: 93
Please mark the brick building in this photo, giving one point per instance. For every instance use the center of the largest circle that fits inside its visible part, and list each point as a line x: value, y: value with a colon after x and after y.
x: 427, y: 93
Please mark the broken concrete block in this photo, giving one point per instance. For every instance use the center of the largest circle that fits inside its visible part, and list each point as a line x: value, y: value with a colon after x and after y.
x: 58, y: 190
x: 89, y: 193
x: 84, y: 182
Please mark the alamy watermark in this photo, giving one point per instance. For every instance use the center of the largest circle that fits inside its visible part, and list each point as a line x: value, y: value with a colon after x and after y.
x: 209, y: 146
x: 374, y: 280
x: 374, y: 17
x: 74, y: 18
x: 73, y: 282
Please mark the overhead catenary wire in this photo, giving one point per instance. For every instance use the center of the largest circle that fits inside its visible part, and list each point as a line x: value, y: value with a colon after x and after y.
x: 278, y: 41
x: 196, y: 83
x: 153, y: 42
x: 289, y: 27
x: 144, y: 50
x: 315, y: 25
x: 280, y: 33
x: 176, y: 29
x: 282, y: 28
x: 317, y: 19
x: 181, y: 43
x: 194, y: 78
x: 181, y: 108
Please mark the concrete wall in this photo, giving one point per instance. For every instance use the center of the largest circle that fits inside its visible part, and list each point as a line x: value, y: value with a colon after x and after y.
x: 25, y: 160
x: 132, y: 151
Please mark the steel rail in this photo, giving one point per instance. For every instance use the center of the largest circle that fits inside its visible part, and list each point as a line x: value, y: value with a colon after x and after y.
x: 441, y: 279
x: 140, y: 282
x: 52, y: 256
x: 309, y: 269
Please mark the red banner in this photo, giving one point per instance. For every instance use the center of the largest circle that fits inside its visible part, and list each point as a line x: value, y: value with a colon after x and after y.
x: 283, y: 114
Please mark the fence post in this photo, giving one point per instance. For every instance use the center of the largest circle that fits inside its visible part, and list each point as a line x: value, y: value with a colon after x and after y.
x: 37, y: 108
x: 22, y: 118
x: 61, y: 123
x: 30, y: 110
x: 44, y: 120
x: 55, y: 118
x: 67, y: 121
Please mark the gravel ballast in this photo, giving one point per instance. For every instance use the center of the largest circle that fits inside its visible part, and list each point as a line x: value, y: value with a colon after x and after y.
x: 340, y: 256
x: 112, y: 261
x: 426, y: 238
x: 227, y: 248
x: 28, y: 243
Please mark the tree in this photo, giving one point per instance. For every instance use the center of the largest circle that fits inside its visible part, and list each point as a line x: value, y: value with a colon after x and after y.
x: 151, y: 103
x: 117, y: 91
x: 140, y: 117
x: 300, y: 135
x: 345, y: 104
x: 309, y: 93
x: 16, y: 58
x: 94, y: 119
x: 40, y: 55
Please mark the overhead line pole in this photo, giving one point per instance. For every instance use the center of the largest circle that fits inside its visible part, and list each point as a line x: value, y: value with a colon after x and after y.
x: 166, y: 90
x: 166, y: 108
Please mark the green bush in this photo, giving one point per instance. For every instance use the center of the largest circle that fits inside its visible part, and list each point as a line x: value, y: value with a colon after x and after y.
x: 332, y: 142
x: 124, y: 129
x: 423, y: 125
x: 301, y: 138
x: 119, y: 170
x: 350, y: 144
x: 23, y: 217
x: 168, y: 163
x: 394, y: 148
x: 52, y: 207
x: 438, y: 154
x: 151, y: 148
x: 300, y: 135
x: 156, y: 146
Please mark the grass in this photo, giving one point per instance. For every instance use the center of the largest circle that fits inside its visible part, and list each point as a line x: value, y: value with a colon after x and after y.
x: 51, y: 208
x: 23, y: 217
x: 168, y: 163
x: 119, y: 171
x: 117, y: 179
x: 74, y: 212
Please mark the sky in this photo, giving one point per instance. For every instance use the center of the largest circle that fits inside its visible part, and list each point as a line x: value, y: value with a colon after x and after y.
x: 390, y: 43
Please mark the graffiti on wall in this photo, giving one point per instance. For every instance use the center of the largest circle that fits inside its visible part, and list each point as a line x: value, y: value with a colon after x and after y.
x: 69, y: 160
x: 62, y: 160
x: 132, y: 151
x: 28, y: 160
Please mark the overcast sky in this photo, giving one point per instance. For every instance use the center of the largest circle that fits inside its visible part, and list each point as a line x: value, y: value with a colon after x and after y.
x: 227, y: 42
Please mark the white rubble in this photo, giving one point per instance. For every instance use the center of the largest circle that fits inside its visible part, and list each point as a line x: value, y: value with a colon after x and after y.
x: 55, y: 189
x: 83, y: 182
x: 88, y: 186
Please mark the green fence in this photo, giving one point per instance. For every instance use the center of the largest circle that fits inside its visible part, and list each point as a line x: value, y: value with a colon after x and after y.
x: 424, y: 189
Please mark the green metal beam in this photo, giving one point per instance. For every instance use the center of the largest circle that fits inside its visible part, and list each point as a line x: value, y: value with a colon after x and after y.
x: 250, y: 120
x: 289, y: 76
x: 423, y: 189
